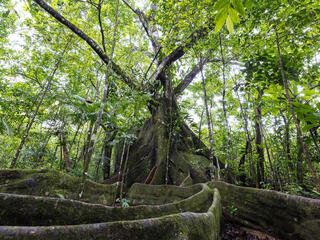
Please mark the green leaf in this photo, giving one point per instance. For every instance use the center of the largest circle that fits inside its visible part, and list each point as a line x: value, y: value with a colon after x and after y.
x: 237, y: 4
x: 308, y: 92
x: 7, y: 127
x: 220, y: 19
x: 6, y: 14
x: 60, y: 196
x: 229, y: 24
x: 316, y: 114
x: 249, y: 4
x: 308, y: 127
x: 234, y: 15
x: 220, y: 4
x: 302, y: 108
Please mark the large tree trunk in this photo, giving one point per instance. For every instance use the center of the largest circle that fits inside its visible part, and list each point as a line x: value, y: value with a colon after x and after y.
x: 149, y: 152
x: 160, y: 121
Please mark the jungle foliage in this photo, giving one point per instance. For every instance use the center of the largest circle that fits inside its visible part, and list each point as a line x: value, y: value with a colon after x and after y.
x: 79, y: 79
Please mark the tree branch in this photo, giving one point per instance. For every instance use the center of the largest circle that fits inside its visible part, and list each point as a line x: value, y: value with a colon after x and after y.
x: 152, y: 62
x: 144, y: 22
x: 183, y: 48
x: 315, y: 86
x: 89, y: 40
x: 101, y: 27
x: 189, y: 77
x: 192, y: 74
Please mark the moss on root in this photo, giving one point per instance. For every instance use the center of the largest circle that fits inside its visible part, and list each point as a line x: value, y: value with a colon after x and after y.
x: 52, y: 184
x: 186, y: 225
x: 162, y: 211
x: 191, y: 213
x: 283, y: 215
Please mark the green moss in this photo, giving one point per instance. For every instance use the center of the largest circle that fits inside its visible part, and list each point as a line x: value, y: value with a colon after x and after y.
x: 50, y: 183
x: 192, y: 213
x: 287, y: 216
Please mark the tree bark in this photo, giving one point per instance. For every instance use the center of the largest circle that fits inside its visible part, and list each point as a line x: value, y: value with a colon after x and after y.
x: 84, y: 149
x: 107, y: 155
x: 258, y: 140
x: 65, y: 151
x: 299, y: 164
x: 274, y: 173
x: 227, y: 126
x: 286, y: 142
x: 200, y: 125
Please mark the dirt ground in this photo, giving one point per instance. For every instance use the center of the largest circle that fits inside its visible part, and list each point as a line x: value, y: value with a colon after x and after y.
x: 231, y: 231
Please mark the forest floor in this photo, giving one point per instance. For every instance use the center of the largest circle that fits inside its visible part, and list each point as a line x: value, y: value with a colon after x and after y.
x: 232, y: 231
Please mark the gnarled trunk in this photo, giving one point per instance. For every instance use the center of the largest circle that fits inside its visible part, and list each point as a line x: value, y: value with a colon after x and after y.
x: 172, y: 148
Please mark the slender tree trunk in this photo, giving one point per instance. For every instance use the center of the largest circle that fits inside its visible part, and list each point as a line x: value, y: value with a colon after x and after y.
x: 21, y: 122
x: 74, y: 138
x: 26, y: 133
x: 27, y: 115
x: 61, y: 163
x: 315, y: 132
x: 253, y: 172
x: 248, y: 149
x: 200, y: 125
x: 43, y: 147
x: 227, y: 126
x: 124, y: 173
x: 286, y: 142
x: 98, y: 163
x: 107, y: 155
x: 311, y: 131
x: 120, y: 168
x: 299, y: 132
x: 78, y: 144
x: 47, y: 138
x: 84, y: 150
x: 242, y: 161
x: 118, y: 148
x: 103, y: 101
x: 274, y: 174
x: 65, y: 151
x: 299, y: 164
x: 106, y: 161
x: 205, y: 99
x: 258, y: 140
x: 54, y: 155
x: 276, y: 169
